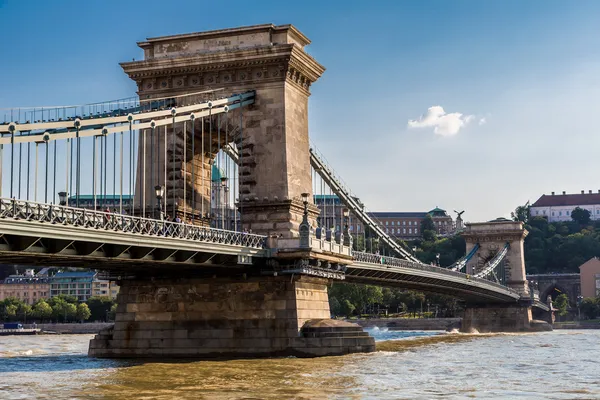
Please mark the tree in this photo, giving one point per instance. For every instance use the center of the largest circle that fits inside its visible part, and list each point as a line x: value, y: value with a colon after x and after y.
x: 428, y: 229
x: 521, y: 213
x: 63, y: 310
x: 24, y: 310
x: 590, y: 307
x: 99, y: 307
x: 113, y: 312
x: 561, y: 304
x: 334, y: 306
x: 83, y: 312
x: 581, y: 216
x: 11, y: 311
x: 347, y: 308
x: 42, y: 310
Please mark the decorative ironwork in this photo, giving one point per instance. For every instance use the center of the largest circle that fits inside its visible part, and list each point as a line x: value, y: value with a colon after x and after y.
x: 90, y: 219
x: 489, y: 268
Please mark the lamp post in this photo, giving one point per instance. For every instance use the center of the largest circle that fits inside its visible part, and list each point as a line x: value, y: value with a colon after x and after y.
x: 159, y: 191
x: 579, y: 301
x: 414, y: 249
x: 62, y: 198
x: 437, y: 258
x: 222, y: 201
x: 304, y: 226
x: 347, y: 237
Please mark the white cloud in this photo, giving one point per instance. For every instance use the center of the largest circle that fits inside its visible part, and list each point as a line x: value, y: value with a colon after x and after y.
x: 443, y: 124
x: 482, y: 121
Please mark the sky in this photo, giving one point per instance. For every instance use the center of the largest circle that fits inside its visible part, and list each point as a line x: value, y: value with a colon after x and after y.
x: 466, y: 105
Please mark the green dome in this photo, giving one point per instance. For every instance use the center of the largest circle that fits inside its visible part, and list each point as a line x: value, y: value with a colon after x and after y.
x: 217, y: 174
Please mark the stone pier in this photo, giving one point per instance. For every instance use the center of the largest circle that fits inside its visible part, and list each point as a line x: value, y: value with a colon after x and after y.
x: 227, y: 318
x: 492, y: 237
x: 497, y: 318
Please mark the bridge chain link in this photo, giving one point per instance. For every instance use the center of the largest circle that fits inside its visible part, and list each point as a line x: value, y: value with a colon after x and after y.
x: 90, y: 219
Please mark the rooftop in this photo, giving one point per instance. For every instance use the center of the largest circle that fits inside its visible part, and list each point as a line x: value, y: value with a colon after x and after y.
x: 396, y: 214
x: 16, y: 279
x: 580, y: 199
x: 77, y: 274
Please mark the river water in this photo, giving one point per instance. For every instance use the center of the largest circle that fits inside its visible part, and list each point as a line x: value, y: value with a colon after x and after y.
x: 407, y: 365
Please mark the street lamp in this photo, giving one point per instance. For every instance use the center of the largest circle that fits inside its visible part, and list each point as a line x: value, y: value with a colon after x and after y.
x: 62, y: 198
x: 437, y: 257
x: 159, y: 191
x: 579, y: 301
x: 414, y: 249
x: 347, y: 237
x: 304, y: 226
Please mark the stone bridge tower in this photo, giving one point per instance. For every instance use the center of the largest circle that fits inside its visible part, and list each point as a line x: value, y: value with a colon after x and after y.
x: 492, y: 237
x: 272, y: 134
x: 277, y: 305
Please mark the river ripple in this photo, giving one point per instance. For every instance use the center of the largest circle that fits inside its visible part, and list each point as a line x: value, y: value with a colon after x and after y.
x: 552, y: 365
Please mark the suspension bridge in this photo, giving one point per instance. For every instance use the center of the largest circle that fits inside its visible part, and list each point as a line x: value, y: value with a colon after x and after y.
x: 197, y: 196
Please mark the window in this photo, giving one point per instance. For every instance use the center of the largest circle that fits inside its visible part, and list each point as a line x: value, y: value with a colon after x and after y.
x: 410, y: 230
x: 553, y: 213
x: 568, y: 212
x: 544, y: 212
x: 416, y: 231
x: 403, y: 222
x: 537, y: 213
x: 386, y: 223
x: 560, y: 213
x: 403, y: 230
x: 393, y: 230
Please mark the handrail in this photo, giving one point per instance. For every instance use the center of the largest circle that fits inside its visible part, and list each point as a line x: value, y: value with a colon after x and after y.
x: 351, y: 202
x: 398, y: 262
x: 91, y: 219
x: 167, y: 108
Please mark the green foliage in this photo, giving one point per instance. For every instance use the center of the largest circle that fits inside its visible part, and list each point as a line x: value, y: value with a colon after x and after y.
x: 63, y: 310
x: 83, y: 312
x: 590, y: 307
x: 59, y: 309
x: 561, y: 303
x: 346, y: 308
x: 42, y: 310
x: 560, y: 246
x: 428, y: 229
x: 335, y: 307
x: 99, y: 307
x: 113, y: 312
x: 521, y: 213
x: 581, y: 216
x: 11, y: 311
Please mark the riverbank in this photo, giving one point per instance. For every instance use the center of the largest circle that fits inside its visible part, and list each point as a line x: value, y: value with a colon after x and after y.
x: 410, y: 324
x: 576, y: 325
x: 85, y: 328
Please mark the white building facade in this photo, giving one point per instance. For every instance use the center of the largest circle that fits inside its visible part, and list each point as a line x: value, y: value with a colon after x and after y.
x: 558, y: 207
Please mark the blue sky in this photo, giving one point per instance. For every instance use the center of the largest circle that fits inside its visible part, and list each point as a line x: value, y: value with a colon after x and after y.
x: 523, y: 74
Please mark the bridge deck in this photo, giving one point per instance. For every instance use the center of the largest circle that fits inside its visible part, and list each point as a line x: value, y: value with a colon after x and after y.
x: 55, y: 235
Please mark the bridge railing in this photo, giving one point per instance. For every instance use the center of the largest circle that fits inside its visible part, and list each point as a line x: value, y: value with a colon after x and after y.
x: 398, y: 262
x: 92, y: 219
